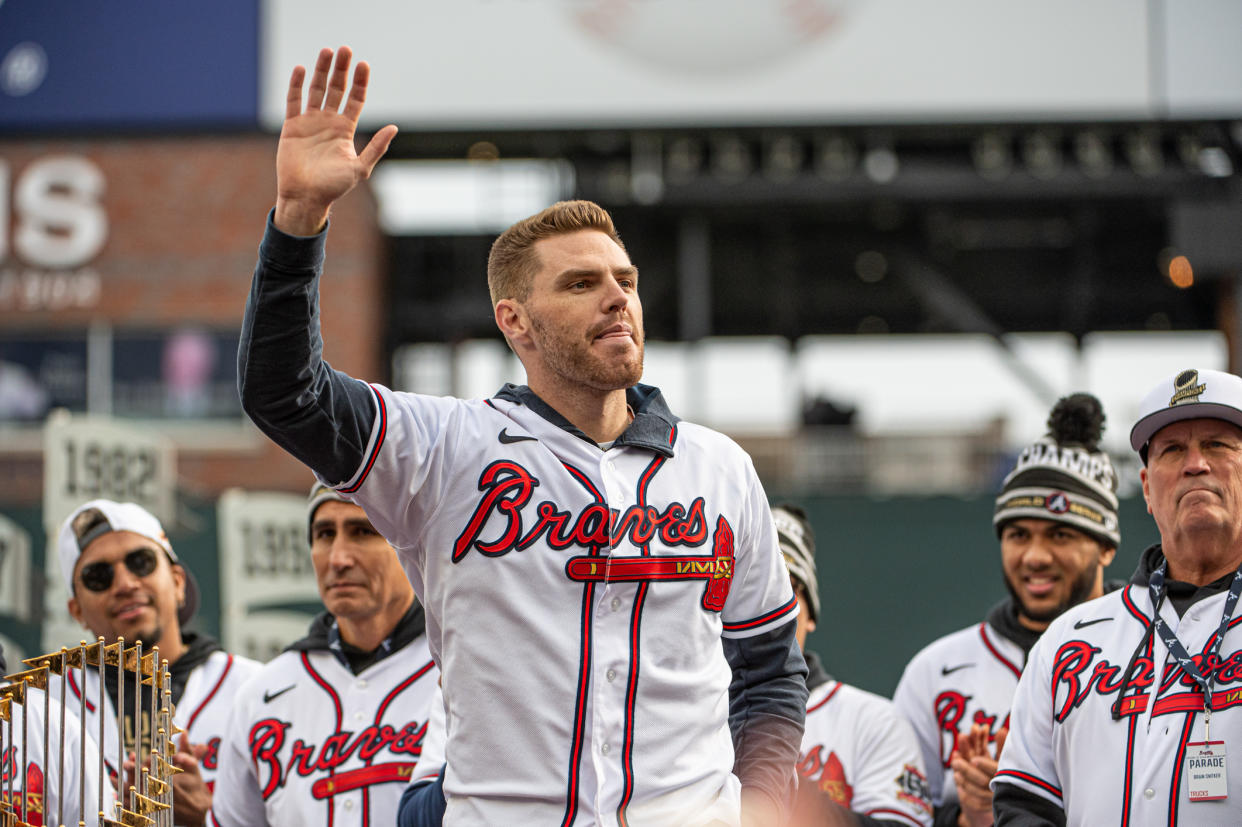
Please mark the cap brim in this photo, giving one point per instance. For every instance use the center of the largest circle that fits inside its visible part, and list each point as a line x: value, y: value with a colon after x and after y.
x: 1146, y: 428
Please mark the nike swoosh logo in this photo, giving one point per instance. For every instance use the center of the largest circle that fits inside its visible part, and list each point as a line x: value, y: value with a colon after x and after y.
x: 268, y: 697
x: 1082, y: 624
x: 945, y: 670
x: 506, y: 439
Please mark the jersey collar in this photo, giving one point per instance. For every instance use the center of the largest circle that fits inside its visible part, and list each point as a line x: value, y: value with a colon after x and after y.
x: 652, y: 427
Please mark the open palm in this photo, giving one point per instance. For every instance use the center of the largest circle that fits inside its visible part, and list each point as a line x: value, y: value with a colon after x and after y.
x: 316, y: 162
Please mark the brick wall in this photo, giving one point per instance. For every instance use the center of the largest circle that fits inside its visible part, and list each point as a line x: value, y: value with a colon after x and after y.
x: 185, y: 217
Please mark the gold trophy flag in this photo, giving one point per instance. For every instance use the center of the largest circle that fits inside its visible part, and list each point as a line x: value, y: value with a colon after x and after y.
x: 35, y: 677
x: 50, y: 661
x: 16, y: 691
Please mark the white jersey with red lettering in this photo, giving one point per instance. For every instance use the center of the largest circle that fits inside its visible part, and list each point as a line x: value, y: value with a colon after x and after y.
x: 1065, y: 745
x: 606, y: 578
x: 962, y: 679
x: 202, y: 711
x: 861, y: 752
x: 311, y: 743
x: 38, y: 788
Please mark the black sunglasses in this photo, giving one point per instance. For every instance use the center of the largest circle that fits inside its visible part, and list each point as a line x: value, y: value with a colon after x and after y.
x: 97, y: 577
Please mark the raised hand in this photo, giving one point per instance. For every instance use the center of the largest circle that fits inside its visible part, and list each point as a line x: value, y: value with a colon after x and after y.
x: 316, y: 162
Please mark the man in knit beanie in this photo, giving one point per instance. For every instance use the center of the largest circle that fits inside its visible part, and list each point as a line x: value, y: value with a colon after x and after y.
x: 1056, y: 518
x: 860, y: 764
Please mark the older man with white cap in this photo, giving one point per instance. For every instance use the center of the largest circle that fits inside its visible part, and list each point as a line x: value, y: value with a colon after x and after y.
x: 1130, y: 705
x: 125, y: 581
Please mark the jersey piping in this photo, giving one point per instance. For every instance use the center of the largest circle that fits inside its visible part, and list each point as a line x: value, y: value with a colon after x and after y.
x: 789, y: 608
x: 983, y: 633
x: 377, y: 442
x: 224, y: 673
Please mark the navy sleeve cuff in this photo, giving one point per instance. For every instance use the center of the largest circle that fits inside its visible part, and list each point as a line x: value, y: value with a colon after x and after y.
x: 291, y: 254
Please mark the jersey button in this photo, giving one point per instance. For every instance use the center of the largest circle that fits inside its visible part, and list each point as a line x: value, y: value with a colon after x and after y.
x: 616, y: 603
x: 349, y: 804
x: 362, y: 683
x: 358, y: 716
x: 611, y: 675
x: 605, y: 749
x: 1149, y: 793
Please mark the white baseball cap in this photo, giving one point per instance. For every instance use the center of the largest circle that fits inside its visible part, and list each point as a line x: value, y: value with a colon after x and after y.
x: 1188, y: 394
x: 78, y: 532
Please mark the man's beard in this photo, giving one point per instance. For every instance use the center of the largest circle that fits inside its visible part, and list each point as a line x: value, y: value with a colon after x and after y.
x: 573, y: 360
x: 1080, y: 591
x: 149, y: 639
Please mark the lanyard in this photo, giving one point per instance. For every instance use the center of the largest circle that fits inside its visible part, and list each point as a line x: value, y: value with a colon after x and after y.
x: 1175, y: 647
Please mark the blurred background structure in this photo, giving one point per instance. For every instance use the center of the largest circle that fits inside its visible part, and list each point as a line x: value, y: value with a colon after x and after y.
x: 878, y: 239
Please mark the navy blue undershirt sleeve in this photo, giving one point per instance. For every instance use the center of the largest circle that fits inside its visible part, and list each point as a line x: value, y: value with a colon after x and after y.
x: 1013, y: 806
x: 319, y: 415
x: 767, y: 710
x: 422, y: 805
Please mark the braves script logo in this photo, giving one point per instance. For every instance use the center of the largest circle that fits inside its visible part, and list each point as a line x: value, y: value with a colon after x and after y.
x: 831, y: 774
x: 267, y: 740
x: 950, y: 707
x: 507, y: 490
x: 1076, y: 674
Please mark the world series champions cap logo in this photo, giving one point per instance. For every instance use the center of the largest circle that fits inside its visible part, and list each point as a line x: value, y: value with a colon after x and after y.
x: 1186, y: 388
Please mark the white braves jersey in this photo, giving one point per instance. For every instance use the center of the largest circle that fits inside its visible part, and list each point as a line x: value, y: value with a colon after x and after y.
x: 962, y: 679
x: 38, y: 787
x: 310, y: 742
x: 431, y: 758
x: 861, y: 752
x: 202, y: 711
x: 605, y: 579
x: 1064, y: 745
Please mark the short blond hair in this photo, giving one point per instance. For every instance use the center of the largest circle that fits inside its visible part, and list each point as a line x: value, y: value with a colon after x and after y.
x: 512, y: 263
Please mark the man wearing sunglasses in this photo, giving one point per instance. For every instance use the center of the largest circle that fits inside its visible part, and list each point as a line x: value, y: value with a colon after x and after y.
x: 125, y: 581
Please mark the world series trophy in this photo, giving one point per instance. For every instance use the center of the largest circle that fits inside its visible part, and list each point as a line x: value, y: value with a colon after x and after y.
x: 29, y: 758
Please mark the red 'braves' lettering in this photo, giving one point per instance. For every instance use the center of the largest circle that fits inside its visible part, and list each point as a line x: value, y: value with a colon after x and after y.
x: 267, y: 737
x: 950, y: 707
x: 30, y: 796
x: 507, y: 488
x: 1072, y: 660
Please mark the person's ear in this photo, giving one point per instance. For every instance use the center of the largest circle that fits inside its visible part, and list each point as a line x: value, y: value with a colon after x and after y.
x: 513, y: 322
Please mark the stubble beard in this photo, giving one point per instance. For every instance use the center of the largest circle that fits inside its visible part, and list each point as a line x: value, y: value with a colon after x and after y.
x: 1078, y: 593
x: 573, y: 360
